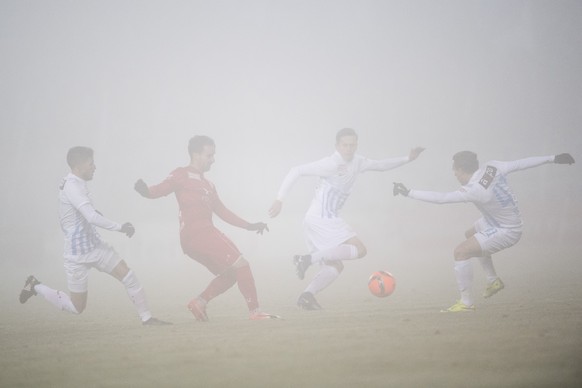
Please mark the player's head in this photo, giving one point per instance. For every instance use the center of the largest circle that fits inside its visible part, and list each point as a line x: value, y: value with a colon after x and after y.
x: 80, y: 160
x: 346, y: 143
x: 465, y: 163
x: 201, y: 149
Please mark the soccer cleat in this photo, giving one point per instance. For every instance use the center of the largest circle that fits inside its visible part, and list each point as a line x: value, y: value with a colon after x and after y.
x: 28, y: 289
x: 155, y: 322
x: 257, y: 315
x: 459, y: 307
x: 307, y: 301
x: 198, y: 309
x: 493, y: 288
x: 301, y: 264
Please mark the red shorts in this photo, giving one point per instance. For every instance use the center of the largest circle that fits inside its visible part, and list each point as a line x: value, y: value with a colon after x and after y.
x: 211, y: 248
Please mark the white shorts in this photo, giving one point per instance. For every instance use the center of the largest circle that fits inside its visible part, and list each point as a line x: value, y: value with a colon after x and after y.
x: 325, y: 233
x: 103, y: 258
x: 493, y: 239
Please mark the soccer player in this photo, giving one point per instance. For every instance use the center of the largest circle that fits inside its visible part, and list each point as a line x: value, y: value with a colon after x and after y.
x: 329, y: 238
x: 198, y: 200
x: 501, y: 224
x: 84, y: 248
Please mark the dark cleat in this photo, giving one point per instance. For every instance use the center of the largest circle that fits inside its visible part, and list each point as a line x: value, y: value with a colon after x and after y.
x: 28, y: 290
x: 307, y: 301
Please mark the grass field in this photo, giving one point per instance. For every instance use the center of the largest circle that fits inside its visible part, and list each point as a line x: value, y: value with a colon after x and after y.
x: 522, y: 337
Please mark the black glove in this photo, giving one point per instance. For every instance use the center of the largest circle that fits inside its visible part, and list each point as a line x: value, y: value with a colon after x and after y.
x: 128, y: 229
x: 564, y: 159
x: 141, y: 187
x: 259, y: 227
x: 399, y: 188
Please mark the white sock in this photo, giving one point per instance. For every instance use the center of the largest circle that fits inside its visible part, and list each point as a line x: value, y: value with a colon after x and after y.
x: 341, y: 252
x: 464, y: 275
x: 59, y: 299
x: 488, y: 268
x: 137, y: 295
x: 326, y: 275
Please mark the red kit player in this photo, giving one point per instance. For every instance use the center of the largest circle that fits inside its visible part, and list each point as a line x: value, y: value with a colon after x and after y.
x: 200, y: 239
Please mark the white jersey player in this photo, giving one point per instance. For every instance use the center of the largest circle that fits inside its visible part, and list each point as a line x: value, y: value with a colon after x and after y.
x: 500, y: 226
x: 329, y: 238
x: 84, y: 249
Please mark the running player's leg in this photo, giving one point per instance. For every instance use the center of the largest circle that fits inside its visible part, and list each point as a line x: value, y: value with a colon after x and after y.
x: 350, y: 250
x: 217, y: 286
x: 246, y: 286
x: 77, y: 279
x: 246, y: 283
x: 325, y: 233
x: 485, y: 260
x: 492, y: 240
x: 221, y: 256
x: 464, y: 268
x: 133, y: 288
x: 74, y: 304
x: 327, y: 274
x: 217, y: 253
x: 106, y: 259
x: 221, y: 283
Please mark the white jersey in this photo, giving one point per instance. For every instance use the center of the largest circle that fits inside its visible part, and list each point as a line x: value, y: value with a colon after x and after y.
x: 78, y: 217
x: 489, y: 191
x: 337, y: 177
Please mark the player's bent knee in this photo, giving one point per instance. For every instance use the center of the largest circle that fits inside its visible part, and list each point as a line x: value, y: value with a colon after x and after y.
x: 460, y: 254
x: 240, y: 262
x: 362, y: 251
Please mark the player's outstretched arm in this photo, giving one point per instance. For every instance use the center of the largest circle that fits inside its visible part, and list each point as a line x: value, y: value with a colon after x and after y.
x: 400, y: 189
x: 259, y: 227
x: 564, y: 159
x: 415, y: 152
x: 142, y: 188
x: 275, y: 208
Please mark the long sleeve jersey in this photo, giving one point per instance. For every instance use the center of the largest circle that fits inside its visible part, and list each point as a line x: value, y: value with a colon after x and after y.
x: 197, y: 200
x: 78, y: 217
x: 337, y: 177
x: 489, y: 191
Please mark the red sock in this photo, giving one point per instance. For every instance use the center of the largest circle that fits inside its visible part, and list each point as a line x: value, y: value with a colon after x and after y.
x: 246, y: 285
x: 218, y: 285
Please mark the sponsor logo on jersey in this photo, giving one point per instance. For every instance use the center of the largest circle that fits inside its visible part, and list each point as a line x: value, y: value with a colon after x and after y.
x: 488, y: 176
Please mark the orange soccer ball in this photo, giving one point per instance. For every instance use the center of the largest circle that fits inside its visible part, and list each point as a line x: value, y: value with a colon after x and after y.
x: 381, y: 284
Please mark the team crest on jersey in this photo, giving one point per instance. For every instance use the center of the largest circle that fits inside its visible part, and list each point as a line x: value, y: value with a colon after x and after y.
x: 342, y: 169
x: 488, y: 176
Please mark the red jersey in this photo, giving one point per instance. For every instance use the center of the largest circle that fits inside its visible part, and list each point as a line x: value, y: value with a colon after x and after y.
x: 197, y: 199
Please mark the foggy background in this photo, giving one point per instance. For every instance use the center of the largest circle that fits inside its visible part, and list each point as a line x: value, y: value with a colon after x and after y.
x: 272, y: 82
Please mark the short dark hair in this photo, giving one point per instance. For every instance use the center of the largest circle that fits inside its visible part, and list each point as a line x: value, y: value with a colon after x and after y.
x: 78, y: 155
x: 197, y: 143
x: 345, y: 132
x: 466, y: 161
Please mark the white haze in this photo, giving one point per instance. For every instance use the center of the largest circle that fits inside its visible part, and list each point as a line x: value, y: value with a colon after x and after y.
x: 272, y: 82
